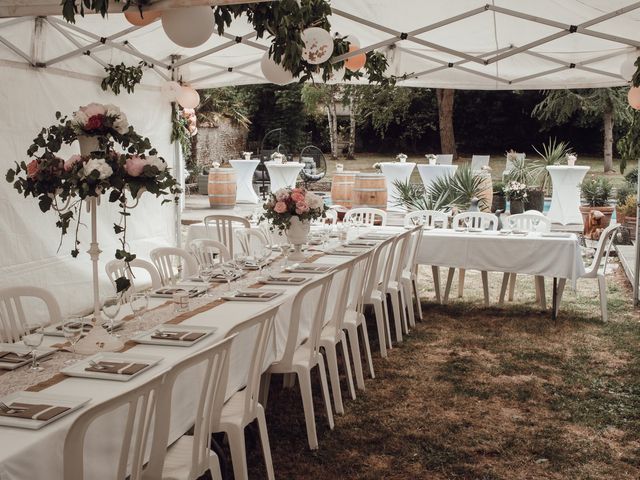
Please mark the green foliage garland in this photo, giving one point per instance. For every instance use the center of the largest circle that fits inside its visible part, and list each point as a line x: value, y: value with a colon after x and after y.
x: 122, y: 76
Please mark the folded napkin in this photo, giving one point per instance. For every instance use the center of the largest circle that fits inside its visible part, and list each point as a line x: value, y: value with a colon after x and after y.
x: 13, y: 357
x: 311, y: 268
x: 287, y: 279
x: 119, y: 368
x: 256, y: 294
x: 85, y: 326
x: 33, y: 411
x: 339, y: 251
x: 181, y: 336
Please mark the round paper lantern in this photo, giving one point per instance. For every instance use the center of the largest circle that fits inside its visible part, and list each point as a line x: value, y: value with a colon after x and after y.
x: 318, y: 45
x: 188, y: 97
x: 188, y: 27
x: 170, y: 90
x: 353, y: 40
x: 132, y: 14
x: 356, y: 62
x: 634, y: 97
x: 274, y: 72
x: 628, y: 67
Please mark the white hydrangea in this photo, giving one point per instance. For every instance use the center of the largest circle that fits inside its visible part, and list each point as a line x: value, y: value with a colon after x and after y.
x: 157, y: 162
x: 80, y: 117
x: 314, y: 201
x: 100, y: 165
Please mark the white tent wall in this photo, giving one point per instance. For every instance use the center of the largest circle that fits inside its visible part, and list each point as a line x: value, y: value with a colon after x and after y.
x: 29, y: 255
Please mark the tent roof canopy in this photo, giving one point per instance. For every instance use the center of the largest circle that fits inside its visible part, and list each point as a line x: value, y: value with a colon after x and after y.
x: 467, y: 44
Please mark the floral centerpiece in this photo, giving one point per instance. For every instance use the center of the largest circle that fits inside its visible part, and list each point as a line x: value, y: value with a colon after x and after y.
x: 277, y: 157
x: 431, y: 158
x: 571, y: 159
x: 247, y: 155
x: 516, y: 192
x: 401, y: 157
x: 291, y: 210
x: 377, y: 166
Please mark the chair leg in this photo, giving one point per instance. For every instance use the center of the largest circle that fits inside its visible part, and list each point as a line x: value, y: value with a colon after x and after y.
x: 367, y: 347
x: 325, y: 390
x: 304, y: 380
x: 387, y: 321
x: 404, y: 315
x: 485, y: 287
x: 235, y: 435
x: 503, y: 288
x: 435, y: 271
x: 561, y: 283
x: 354, y: 344
x: 288, y: 380
x: 264, y: 441
x: 602, y: 286
x: 397, y: 318
x: 347, y: 362
x: 447, y: 288
x: 408, y: 300
x: 214, y: 467
x: 512, y: 286
x: 541, y: 292
x: 265, y: 383
x: 334, y: 376
x: 461, y: 273
x: 382, y: 336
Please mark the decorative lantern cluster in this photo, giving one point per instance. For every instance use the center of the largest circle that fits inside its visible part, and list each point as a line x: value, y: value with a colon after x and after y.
x: 186, y: 96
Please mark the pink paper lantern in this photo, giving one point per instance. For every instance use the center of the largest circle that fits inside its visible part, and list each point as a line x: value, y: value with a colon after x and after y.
x: 132, y: 14
x: 357, y: 62
x: 188, y: 97
x: 634, y: 97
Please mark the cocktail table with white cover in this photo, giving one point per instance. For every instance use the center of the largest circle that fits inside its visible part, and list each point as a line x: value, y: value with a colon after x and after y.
x: 395, y: 172
x: 19, y: 447
x: 429, y: 173
x: 283, y: 174
x: 244, y: 180
x: 565, y: 200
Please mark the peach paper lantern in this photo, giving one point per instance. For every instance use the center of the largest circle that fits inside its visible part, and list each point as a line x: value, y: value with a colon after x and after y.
x: 188, y: 97
x: 634, y: 97
x: 132, y: 14
x: 356, y: 62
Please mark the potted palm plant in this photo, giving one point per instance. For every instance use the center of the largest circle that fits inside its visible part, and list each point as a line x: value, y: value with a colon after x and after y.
x: 499, y: 201
x: 526, y: 172
x: 552, y: 153
x: 596, y: 192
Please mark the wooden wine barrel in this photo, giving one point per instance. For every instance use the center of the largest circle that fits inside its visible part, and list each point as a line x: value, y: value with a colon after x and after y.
x: 369, y: 190
x: 342, y: 188
x: 222, y: 188
x: 486, y: 193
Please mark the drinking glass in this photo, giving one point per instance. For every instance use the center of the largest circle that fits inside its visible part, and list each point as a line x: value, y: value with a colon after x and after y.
x: 72, y: 329
x: 139, y: 302
x: 535, y: 222
x: 285, y: 248
x: 263, y: 255
x: 111, y: 308
x: 33, y: 340
x: 229, y: 270
x: 205, y: 272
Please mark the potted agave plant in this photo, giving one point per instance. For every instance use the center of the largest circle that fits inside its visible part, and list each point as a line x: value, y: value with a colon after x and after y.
x: 596, y: 192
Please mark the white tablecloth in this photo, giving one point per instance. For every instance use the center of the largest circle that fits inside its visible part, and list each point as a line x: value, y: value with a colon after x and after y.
x: 244, y: 180
x: 565, y: 199
x: 395, y: 172
x: 429, y: 173
x: 283, y: 174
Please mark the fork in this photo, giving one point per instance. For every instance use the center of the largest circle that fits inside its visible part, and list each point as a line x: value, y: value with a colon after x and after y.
x: 6, y: 408
x: 95, y: 364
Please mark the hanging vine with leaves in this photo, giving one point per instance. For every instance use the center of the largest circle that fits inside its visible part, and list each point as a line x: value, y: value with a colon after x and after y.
x: 122, y: 76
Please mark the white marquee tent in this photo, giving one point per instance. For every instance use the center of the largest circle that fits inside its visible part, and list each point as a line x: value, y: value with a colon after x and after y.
x: 48, y: 64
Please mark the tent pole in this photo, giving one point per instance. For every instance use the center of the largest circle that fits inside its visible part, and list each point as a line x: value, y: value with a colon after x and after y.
x: 177, y: 164
x: 636, y: 300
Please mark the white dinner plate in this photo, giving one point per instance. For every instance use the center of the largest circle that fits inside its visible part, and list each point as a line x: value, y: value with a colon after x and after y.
x: 146, y: 337
x: 78, y: 368
x: 53, y: 330
x: 72, y: 403
x: 41, y: 352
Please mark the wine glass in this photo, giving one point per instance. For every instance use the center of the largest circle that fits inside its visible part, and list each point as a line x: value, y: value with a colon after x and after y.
x: 139, y: 302
x: 229, y: 270
x: 263, y: 255
x: 285, y: 248
x: 111, y: 308
x: 535, y: 222
x: 325, y: 232
x: 205, y: 272
x: 72, y: 329
x: 33, y: 340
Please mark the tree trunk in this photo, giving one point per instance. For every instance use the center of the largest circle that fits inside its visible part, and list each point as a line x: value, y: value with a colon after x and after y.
x: 351, y: 150
x: 607, y: 117
x: 332, y: 119
x: 445, y: 118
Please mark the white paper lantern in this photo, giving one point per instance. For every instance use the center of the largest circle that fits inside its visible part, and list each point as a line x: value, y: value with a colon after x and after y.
x: 188, y: 27
x: 188, y: 97
x: 353, y: 40
x: 170, y: 91
x: 274, y: 72
x: 628, y: 67
x: 318, y: 45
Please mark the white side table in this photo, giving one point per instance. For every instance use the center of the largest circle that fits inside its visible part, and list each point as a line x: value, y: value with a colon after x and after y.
x: 429, y: 173
x: 283, y: 174
x: 394, y: 172
x: 244, y: 180
x: 565, y: 200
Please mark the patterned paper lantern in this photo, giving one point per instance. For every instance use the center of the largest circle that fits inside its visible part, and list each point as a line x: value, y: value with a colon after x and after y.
x: 132, y: 14
x: 188, y: 97
x: 188, y: 27
x: 634, y: 97
x: 356, y: 62
x: 274, y: 72
x: 318, y: 45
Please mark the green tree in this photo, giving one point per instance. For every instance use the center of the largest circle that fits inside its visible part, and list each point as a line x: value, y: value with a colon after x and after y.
x: 608, y: 105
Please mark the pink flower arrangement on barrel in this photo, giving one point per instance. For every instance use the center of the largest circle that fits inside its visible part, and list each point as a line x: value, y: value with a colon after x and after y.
x: 113, y: 159
x: 288, y: 203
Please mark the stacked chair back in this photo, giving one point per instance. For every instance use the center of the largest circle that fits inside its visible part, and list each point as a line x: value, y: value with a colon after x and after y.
x: 223, y: 226
x: 428, y: 219
x: 209, y: 252
x: 169, y: 260
x: 248, y: 238
x: 366, y: 215
x: 118, y: 268
x: 483, y: 220
x: 530, y: 222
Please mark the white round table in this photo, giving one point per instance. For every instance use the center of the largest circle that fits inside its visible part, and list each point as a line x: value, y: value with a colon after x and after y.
x: 565, y: 200
x: 244, y: 180
x: 283, y: 174
x: 429, y: 173
x: 395, y: 172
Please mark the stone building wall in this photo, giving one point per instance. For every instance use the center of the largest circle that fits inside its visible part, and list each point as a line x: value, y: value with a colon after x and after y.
x: 224, y: 141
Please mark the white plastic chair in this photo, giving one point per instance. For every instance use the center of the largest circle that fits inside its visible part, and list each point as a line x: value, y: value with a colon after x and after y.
x: 367, y: 216
x: 428, y: 219
x: 13, y: 321
x: 136, y: 408
x: 332, y: 333
x: 530, y: 221
x: 243, y: 407
x: 354, y: 319
x: 409, y: 276
x: 190, y: 456
x: 444, y: 159
x: 208, y: 252
x: 597, y: 269
x: 251, y: 239
x: 118, y: 268
x: 485, y: 221
x: 164, y: 259
x: 300, y: 358
x: 393, y: 287
x: 479, y: 161
x: 223, y: 227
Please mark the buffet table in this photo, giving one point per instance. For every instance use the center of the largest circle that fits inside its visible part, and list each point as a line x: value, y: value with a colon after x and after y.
x: 283, y: 175
x: 244, y: 180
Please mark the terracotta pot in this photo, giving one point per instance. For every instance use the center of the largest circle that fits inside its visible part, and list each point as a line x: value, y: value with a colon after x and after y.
x: 499, y: 202
x: 591, y: 224
x: 535, y: 200
x: 516, y: 206
x: 619, y: 216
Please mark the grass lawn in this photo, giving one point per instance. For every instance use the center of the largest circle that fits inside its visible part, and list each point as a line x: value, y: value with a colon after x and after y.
x: 483, y: 393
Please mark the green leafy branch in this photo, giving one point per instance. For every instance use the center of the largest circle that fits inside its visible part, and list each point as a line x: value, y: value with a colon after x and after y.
x: 122, y: 76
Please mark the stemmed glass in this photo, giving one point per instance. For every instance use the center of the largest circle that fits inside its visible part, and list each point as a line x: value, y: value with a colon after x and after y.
x: 535, y: 222
x: 263, y: 256
x: 111, y: 308
x: 205, y: 272
x: 285, y: 248
x: 229, y: 270
x: 33, y: 340
x: 325, y: 232
x: 72, y: 329
x: 139, y: 302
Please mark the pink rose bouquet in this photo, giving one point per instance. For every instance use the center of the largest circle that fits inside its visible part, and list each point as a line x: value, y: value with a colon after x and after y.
x: 286, y: 203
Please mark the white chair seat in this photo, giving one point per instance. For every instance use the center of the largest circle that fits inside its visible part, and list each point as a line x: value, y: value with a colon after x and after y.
x: 177, y: 463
